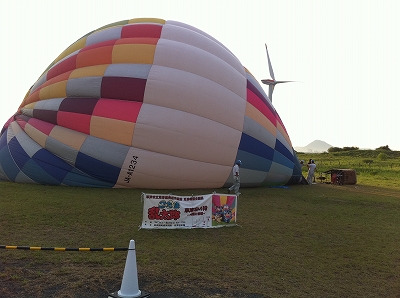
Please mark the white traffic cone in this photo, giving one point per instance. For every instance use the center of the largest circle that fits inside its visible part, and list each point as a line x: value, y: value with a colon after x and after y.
x: 130, y: 285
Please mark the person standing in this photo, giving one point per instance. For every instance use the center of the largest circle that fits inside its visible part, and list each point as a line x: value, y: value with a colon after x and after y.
x: 311, y: 170
x: 236, y: 178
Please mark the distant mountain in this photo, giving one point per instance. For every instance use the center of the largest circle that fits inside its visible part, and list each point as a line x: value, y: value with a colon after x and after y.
x: 316, y: 146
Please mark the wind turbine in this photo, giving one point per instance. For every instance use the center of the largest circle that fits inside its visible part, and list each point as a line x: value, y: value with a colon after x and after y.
x: 271, y: 82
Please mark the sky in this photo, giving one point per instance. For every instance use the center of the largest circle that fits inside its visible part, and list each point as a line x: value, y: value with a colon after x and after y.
x: 343, y: 55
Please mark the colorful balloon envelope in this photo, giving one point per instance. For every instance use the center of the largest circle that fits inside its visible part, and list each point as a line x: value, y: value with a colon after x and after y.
x: 146, y: 103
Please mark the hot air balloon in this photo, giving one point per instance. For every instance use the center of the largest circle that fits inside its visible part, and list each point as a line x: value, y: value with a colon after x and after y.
x: 146, y: 103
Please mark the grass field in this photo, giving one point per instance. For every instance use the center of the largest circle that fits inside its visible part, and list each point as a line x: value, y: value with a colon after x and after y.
x: 303, y: 241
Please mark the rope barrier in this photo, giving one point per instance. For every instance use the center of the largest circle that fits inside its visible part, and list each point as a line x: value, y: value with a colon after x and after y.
x: 65, y: 248
x: 129, y: 285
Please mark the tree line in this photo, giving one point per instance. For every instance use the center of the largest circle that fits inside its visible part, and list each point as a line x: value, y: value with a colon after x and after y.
x: 337, y: 149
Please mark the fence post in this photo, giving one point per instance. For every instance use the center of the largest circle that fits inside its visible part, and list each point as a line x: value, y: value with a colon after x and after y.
x: 130, y: 285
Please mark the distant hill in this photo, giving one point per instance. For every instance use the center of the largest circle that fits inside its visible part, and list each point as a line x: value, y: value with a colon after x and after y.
x: 316, y: 146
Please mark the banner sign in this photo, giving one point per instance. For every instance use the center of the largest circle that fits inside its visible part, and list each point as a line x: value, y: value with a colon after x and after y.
x: 188, y: 212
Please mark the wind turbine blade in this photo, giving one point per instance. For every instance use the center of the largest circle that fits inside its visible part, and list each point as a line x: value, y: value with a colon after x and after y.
x: 279, y: 82
x: 271, y: 71
x: 270, y: 91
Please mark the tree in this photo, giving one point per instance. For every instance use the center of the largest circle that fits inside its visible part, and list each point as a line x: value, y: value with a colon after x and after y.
x: 382, y: 156
x: 386, y: 148
x: 350, y: 148
x: 334, y: 149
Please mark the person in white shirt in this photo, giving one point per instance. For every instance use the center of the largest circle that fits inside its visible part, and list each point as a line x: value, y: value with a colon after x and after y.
x: 311, y: 170
x: 236, y: 178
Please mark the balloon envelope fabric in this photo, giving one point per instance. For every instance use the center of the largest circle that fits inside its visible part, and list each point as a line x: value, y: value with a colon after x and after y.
x: 146, y: 103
